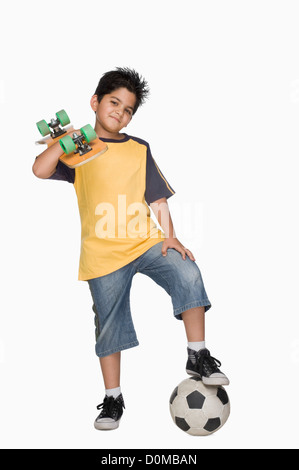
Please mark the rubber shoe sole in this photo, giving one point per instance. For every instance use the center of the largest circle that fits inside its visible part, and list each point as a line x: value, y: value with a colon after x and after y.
x: 216, y: 380
x: 106, y: 425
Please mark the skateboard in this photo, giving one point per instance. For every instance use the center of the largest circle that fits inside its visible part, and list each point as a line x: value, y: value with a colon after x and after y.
x: 53, y: 131
x: 81, y: 148
x: 78, y: 148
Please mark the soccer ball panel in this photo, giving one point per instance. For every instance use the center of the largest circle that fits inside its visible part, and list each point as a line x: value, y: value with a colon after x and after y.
x: 222, y: 395
x: 173, y: 395
x: 195, y: 400
x: 180, y: 406
x: 213, y: 407
x: 187, y: 386
x: 225, y: 413
x: 212, y: 424
x: 198, y: 432
x: 182, y: 424
x: 206, y: 390
x: 196, y: 418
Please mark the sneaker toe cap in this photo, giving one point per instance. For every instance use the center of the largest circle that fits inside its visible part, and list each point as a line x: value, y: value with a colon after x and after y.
x: 105, y: 420
x: 216, y: 379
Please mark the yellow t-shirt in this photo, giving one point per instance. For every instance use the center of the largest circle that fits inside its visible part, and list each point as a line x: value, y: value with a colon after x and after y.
x: 114, y: 191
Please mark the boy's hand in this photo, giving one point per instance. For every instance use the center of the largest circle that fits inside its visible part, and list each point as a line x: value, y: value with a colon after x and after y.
x: 174, y: 243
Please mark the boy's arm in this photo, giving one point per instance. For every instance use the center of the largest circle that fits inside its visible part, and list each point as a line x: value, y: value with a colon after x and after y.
x: 161, y: 210
x: 46, y: 163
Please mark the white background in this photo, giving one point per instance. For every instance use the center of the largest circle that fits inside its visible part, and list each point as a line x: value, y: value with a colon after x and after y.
x: 223, y: 124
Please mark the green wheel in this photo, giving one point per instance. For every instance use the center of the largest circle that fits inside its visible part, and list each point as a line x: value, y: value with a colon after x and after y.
x: 67, y: 144
x: 43, y: 127
x: 63, y: 117
x: 88, y: 132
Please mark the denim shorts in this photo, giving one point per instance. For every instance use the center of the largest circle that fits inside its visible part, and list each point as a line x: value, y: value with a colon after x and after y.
x: 180, y: 278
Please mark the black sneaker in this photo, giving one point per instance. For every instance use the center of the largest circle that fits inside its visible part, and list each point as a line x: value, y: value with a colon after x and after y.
x: 112, y: 410
x: 203, y: 365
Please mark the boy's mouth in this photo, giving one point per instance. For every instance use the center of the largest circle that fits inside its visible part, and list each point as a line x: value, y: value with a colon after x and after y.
x: 115, y: 118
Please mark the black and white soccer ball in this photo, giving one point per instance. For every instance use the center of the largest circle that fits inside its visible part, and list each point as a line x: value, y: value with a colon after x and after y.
x: 199, y: 409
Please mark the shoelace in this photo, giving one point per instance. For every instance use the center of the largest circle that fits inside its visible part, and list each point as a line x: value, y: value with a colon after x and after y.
x: 206, y: 362
x: 110, y: 405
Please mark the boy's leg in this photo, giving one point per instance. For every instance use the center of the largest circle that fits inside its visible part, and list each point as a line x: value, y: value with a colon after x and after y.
x: 114, y: 333
x: 110, y: 366
x: 194, y: 322
x: 113, y: 404
x: 182, y: 280
x: 200, y: 361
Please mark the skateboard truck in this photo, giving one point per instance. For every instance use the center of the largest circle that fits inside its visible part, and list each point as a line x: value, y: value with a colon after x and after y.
x: 57, y: 131
x: 82, y: 146
x: 54, y: 126
x: 78, y: 143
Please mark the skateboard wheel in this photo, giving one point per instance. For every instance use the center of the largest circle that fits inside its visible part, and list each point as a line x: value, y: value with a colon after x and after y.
x: 43, y: 127
x: 88, y: 132
x: 67, y: 144
x: 63, y: 117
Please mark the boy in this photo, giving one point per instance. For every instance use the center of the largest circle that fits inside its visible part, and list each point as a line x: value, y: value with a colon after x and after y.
x: 116, y: 185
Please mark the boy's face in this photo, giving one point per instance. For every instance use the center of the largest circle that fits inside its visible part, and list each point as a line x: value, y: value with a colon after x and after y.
x: 114, y: 112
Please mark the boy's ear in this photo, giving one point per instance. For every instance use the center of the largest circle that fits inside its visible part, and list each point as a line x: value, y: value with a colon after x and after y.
x: 94, y: 103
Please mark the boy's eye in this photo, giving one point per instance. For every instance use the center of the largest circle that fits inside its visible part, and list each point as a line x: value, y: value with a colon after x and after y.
x: 116, y: 103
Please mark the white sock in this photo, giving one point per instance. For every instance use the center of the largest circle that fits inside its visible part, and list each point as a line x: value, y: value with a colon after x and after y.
x: 197, y: 345
x: 113, y: 392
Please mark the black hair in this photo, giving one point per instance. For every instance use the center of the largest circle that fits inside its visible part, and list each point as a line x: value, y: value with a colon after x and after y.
x: 123, y: 77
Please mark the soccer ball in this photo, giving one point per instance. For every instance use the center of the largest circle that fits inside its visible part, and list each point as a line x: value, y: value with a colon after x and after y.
x: 199, y: 409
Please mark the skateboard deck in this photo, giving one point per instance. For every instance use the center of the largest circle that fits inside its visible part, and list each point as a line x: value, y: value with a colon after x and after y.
x: 81, y: 148
x: 55, y: 129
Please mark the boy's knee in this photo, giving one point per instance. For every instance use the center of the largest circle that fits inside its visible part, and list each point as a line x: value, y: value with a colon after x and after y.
x: 191, y: 276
